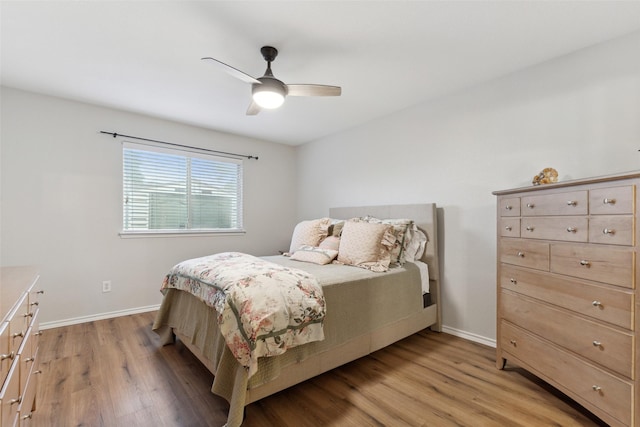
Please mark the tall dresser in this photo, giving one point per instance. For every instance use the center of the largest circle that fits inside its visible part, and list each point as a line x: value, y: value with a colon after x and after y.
x: 19, y: 307
x: 567, y: 276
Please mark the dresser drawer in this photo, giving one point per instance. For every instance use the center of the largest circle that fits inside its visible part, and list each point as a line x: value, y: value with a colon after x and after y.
x: 18, y: 324
x: 35, y: 331
x: 606, y: 264
x: 6, y: 358
x: 602, y: 303
x: 566, y: 228
x: 509, y: 227
x: 571, y: 203
x: 602, y: 344
x: 34, y: 296
x: 10, y: 395
x: 586, y: 382
x: 26, y: 359
x: 612, y: 230
x: 525, y: 253
x: 510, y: 206
x: 611, y: 200
x: 27, y: 405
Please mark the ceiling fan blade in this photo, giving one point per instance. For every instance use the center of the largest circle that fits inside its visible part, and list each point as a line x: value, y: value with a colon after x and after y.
x: 253, y: 109
x: 233, y: 71
x: 313, y: 90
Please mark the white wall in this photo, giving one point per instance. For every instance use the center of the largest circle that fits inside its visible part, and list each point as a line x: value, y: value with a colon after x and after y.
x: 61, y: 203
x: 579, y: 114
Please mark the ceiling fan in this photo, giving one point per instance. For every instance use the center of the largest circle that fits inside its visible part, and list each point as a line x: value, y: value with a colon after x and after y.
x: 269, y: 92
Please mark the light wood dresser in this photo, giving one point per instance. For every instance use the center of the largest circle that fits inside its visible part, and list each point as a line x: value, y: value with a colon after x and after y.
x: 567, y: 275
x: 19, y: 307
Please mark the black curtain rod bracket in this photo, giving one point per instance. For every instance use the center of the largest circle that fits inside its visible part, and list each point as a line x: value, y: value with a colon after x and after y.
x: 115, y: 135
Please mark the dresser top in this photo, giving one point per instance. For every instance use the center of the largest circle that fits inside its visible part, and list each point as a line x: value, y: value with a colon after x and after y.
x: 14, y: 281
x: 605, y: 178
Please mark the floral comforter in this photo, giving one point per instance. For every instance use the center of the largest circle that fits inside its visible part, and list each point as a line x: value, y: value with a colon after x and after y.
x: 263, y: 308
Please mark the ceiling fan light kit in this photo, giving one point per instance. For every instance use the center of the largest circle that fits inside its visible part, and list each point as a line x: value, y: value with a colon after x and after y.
x: 267, y: 91
x: 270, y: 93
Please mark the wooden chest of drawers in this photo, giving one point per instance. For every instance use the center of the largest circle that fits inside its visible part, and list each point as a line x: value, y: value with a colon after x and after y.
x: 566, y: 288
x: 19, y: 332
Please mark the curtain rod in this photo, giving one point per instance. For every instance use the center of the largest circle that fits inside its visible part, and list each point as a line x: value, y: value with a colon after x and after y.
x: 115, y: 135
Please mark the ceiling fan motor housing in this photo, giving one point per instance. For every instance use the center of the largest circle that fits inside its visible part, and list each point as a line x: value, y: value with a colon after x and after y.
x: 269, y: 53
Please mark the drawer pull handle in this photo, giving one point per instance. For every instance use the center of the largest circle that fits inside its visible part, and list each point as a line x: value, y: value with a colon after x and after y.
x: 521, y: 254
x: 14, y: 401
x: 37, y: 372
x: 571, y: 203
x: 37, y: 334
x: 40, y: 292
x: 508, y: 228
x: 609, y: 231
x: 531, y: 205
x: 596, y: 304
x: 35, y: 303
x: 7, y: 356
x: 29, y: 359
x: 28, y: 315
x: 26, y: 417
x: 529, y: 228
x: 571, y: 229
x: 609, y: 201
x: 18, y: 334
x: 514, y: 281
x: 597, y: 344
x: 585, y: 263
x: 596, y: 388
x: 508, y: 207
x: 513, y: 343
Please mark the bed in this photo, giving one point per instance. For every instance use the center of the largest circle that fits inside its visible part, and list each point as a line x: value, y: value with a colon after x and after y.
x: 368, y: 312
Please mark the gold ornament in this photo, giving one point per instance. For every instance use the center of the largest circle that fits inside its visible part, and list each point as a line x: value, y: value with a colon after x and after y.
x: 547, y: 176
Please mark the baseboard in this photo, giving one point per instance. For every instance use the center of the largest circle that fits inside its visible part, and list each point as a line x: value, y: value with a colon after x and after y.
x: 94, y: 317
x: 469, y: 336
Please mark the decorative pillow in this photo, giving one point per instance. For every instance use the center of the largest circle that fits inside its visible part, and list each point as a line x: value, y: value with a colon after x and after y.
x: 366, y: 245
x: 416, y: 245
x: 314, y: 254
x: 401, y: 231
x: 331, y: 242
x: 335, y: 228
x: 309, y: 233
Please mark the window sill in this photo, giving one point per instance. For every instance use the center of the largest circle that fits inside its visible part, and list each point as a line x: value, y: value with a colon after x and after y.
x: 179, y: 233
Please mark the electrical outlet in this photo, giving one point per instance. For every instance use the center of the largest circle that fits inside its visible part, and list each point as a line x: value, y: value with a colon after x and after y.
x: 106, y: 286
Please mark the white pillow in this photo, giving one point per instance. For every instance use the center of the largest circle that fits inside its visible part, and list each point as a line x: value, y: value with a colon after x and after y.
x: 314, y: 254
x: 366, y: 245
x: 416, y: 245
x: 309, y: 233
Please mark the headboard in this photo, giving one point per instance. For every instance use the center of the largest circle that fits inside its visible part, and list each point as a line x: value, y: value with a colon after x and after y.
x: 425, y: 217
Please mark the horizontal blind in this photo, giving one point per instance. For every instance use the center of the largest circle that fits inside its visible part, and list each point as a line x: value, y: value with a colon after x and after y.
x: 169, y: 190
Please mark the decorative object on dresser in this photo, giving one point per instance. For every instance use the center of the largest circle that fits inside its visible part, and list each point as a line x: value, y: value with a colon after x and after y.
x: 546, y: 176
x: 19, y: 306
x: 566, y: 286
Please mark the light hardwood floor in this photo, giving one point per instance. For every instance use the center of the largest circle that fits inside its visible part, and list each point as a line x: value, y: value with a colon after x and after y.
x: 115, y: 373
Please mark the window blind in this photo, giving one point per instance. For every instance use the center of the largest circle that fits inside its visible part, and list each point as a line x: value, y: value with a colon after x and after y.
x: 177, y: 190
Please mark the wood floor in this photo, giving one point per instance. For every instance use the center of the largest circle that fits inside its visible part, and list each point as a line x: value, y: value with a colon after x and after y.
x: 114, y: 373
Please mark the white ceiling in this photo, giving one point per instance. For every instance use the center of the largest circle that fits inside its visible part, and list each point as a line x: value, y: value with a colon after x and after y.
x: 144, y: 56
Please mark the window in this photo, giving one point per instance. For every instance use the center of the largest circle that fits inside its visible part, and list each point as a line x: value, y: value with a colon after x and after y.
x: 168, y: 190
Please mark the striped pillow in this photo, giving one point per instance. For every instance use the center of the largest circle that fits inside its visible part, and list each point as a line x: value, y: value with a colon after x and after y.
x: 314, y: 254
